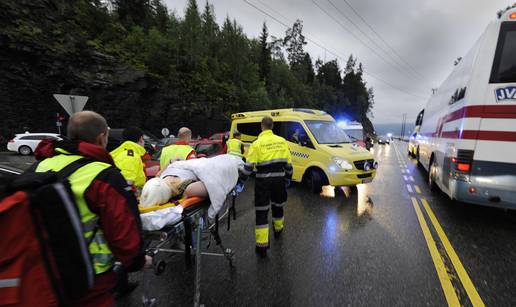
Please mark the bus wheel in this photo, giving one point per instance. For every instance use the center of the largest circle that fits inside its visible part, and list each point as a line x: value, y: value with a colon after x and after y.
x: 431, y: 176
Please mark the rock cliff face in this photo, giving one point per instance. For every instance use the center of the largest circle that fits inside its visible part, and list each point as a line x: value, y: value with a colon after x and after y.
x: 39, y: 59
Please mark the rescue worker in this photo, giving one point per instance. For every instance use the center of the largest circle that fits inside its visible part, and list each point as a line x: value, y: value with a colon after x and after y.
x: 181, y: 150
x: 108, y: 208
x: 235, y: 146
x: 271, y: 158
x: 129, y: 157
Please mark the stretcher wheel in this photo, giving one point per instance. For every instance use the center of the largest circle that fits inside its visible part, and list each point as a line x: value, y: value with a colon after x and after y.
x: 230, y: 257
x: 159, y: 267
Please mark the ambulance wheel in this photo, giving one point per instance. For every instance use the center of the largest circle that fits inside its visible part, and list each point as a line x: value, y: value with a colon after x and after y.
x: 314, y: 180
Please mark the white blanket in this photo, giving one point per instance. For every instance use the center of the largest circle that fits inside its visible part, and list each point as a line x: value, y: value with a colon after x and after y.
x: 158, y: 219
x: 219, y: 174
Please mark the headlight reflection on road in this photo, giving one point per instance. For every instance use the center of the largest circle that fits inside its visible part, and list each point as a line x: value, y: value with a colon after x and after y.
x: 364, y: 203
x: 328, y: 191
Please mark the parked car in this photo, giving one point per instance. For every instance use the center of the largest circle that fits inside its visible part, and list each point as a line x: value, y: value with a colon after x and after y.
x: 26, y: 143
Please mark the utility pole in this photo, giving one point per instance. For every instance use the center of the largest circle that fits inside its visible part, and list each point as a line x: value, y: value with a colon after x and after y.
x: 403, y: 122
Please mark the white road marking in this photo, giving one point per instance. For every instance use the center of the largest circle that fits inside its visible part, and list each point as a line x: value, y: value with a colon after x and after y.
x: 411, y: 178
x: 405, y: 178
x: 409, y: 188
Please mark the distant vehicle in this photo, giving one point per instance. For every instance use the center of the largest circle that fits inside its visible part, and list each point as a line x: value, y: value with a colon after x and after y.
x: 26, y: 143
x: 413, y: 145
x: 219, y: 136
x: 355, y: 131
x: 322, y: 154
x: 467, y: 141
x: 382, y: 140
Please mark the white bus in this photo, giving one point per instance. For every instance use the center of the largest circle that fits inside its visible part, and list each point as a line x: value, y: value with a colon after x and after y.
x: 467, y: 140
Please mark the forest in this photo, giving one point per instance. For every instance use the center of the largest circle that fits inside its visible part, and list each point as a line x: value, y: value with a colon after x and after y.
x: 141, y: 63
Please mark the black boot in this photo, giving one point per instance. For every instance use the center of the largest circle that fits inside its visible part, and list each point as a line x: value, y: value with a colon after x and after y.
x: 277, y: 234
x: 261, y: 251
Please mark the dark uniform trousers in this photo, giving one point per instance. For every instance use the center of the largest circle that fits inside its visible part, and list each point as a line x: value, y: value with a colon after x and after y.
x: 269, y: 192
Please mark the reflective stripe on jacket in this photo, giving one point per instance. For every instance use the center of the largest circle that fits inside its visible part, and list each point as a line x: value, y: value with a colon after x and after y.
x: 174, y: 153
x: 235, y: 147
x: 270, y: 155
x: 128, y: 158
x: 80, y: 180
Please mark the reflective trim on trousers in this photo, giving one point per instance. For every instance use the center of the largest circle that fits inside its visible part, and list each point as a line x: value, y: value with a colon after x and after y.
x: 270, y: 175
x: 278, y: 223
x: 278, y: 205
x: 9, y: 282
x: 262, y: 208
x: 262, y: 235
x: 269, y: 162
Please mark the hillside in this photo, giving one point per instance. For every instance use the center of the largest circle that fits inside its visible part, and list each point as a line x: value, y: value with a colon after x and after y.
x: 141, y: 65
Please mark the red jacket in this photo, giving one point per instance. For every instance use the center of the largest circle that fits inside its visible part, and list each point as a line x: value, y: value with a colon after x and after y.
x: 111, y: 199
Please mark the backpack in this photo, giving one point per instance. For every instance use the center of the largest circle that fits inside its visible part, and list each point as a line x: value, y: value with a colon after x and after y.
x: 44, y: 258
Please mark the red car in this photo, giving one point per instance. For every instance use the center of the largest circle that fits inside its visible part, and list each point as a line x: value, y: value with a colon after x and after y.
x: 204, y: 148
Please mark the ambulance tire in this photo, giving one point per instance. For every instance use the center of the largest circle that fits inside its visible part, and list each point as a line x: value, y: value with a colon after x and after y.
x: 315, y: 180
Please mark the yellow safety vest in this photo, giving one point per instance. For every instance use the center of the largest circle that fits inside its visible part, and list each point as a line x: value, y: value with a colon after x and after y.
x: 270, y: 155
x: 174, y: 153
x: 80, y: 180
x: 128, y: 158
x: 235, y: 147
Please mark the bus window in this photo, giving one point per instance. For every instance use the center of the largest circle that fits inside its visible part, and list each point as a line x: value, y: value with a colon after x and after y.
x: 504, y: 65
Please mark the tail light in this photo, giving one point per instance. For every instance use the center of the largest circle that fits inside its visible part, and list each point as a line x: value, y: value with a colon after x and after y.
x: 463, y: 161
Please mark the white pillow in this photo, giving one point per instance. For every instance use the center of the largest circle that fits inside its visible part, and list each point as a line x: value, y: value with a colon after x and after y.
x: 155, y: 192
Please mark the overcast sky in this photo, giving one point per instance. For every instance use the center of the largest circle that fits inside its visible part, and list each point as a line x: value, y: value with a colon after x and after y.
x: 423, y: 37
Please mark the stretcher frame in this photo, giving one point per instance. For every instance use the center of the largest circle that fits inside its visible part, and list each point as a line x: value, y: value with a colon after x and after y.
x: 189, y: 226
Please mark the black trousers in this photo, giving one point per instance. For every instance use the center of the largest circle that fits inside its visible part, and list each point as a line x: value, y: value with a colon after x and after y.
x: 269, y: 192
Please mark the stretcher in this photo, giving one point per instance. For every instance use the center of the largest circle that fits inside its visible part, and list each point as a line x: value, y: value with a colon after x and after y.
x: 188, y: 232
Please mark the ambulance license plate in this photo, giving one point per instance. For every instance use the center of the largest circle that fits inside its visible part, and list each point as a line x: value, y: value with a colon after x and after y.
x: 368, y: 180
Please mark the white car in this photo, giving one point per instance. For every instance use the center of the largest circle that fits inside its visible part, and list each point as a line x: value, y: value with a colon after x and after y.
x: 26, y: 143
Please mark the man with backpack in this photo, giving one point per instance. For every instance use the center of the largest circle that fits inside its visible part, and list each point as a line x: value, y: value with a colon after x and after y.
x: 108, y: 208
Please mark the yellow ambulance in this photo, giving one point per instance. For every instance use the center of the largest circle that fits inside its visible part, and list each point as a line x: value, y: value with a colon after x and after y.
x: 322, y: 153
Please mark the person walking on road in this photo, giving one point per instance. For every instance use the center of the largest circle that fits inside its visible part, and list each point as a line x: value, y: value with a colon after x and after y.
x: 107, y: 206
x: 129, y: 157
x: 271, y: 158
x: 235, y: 146
x: 181, y: 150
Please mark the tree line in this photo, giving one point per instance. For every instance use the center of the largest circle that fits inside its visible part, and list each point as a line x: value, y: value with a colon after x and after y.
x: 209, y: 70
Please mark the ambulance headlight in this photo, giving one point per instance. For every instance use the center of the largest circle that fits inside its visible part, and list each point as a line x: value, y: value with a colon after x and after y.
x: 342, y: 163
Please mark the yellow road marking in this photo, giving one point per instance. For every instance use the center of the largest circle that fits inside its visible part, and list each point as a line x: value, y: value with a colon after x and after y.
x: 418, y: 190
x: 457, y: 264
x: 444, y: 278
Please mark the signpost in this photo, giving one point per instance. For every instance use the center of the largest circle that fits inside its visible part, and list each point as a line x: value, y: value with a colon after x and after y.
x: 72, y: 104
x: 165, y: 132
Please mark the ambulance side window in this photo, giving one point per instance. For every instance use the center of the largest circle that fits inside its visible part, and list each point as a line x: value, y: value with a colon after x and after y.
x: 504, y: 65
x: 295, y: 133
x: 250, y: 131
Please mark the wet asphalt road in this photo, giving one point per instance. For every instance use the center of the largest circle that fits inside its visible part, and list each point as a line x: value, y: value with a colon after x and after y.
x: 367, y: 249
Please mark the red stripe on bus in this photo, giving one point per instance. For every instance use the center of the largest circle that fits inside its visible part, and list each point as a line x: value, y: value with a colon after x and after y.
x: 482, y: 111
x: 482, y: 135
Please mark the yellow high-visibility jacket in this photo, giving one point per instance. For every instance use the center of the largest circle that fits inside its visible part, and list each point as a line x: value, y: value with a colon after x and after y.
x: 128, y: 158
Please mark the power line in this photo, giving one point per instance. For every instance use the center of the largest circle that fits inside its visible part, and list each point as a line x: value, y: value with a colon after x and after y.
x: 357, y: 37
x: 381, y: 38
x: 365, y: 34
x: 333, y: 53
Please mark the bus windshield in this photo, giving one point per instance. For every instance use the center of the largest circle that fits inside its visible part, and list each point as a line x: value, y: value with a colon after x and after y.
x: 327, y: 132
x: 504, y: 66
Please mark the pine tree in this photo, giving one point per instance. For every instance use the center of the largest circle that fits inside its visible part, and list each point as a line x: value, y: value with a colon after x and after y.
x: 295, y: 41
x: 265, y: 55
